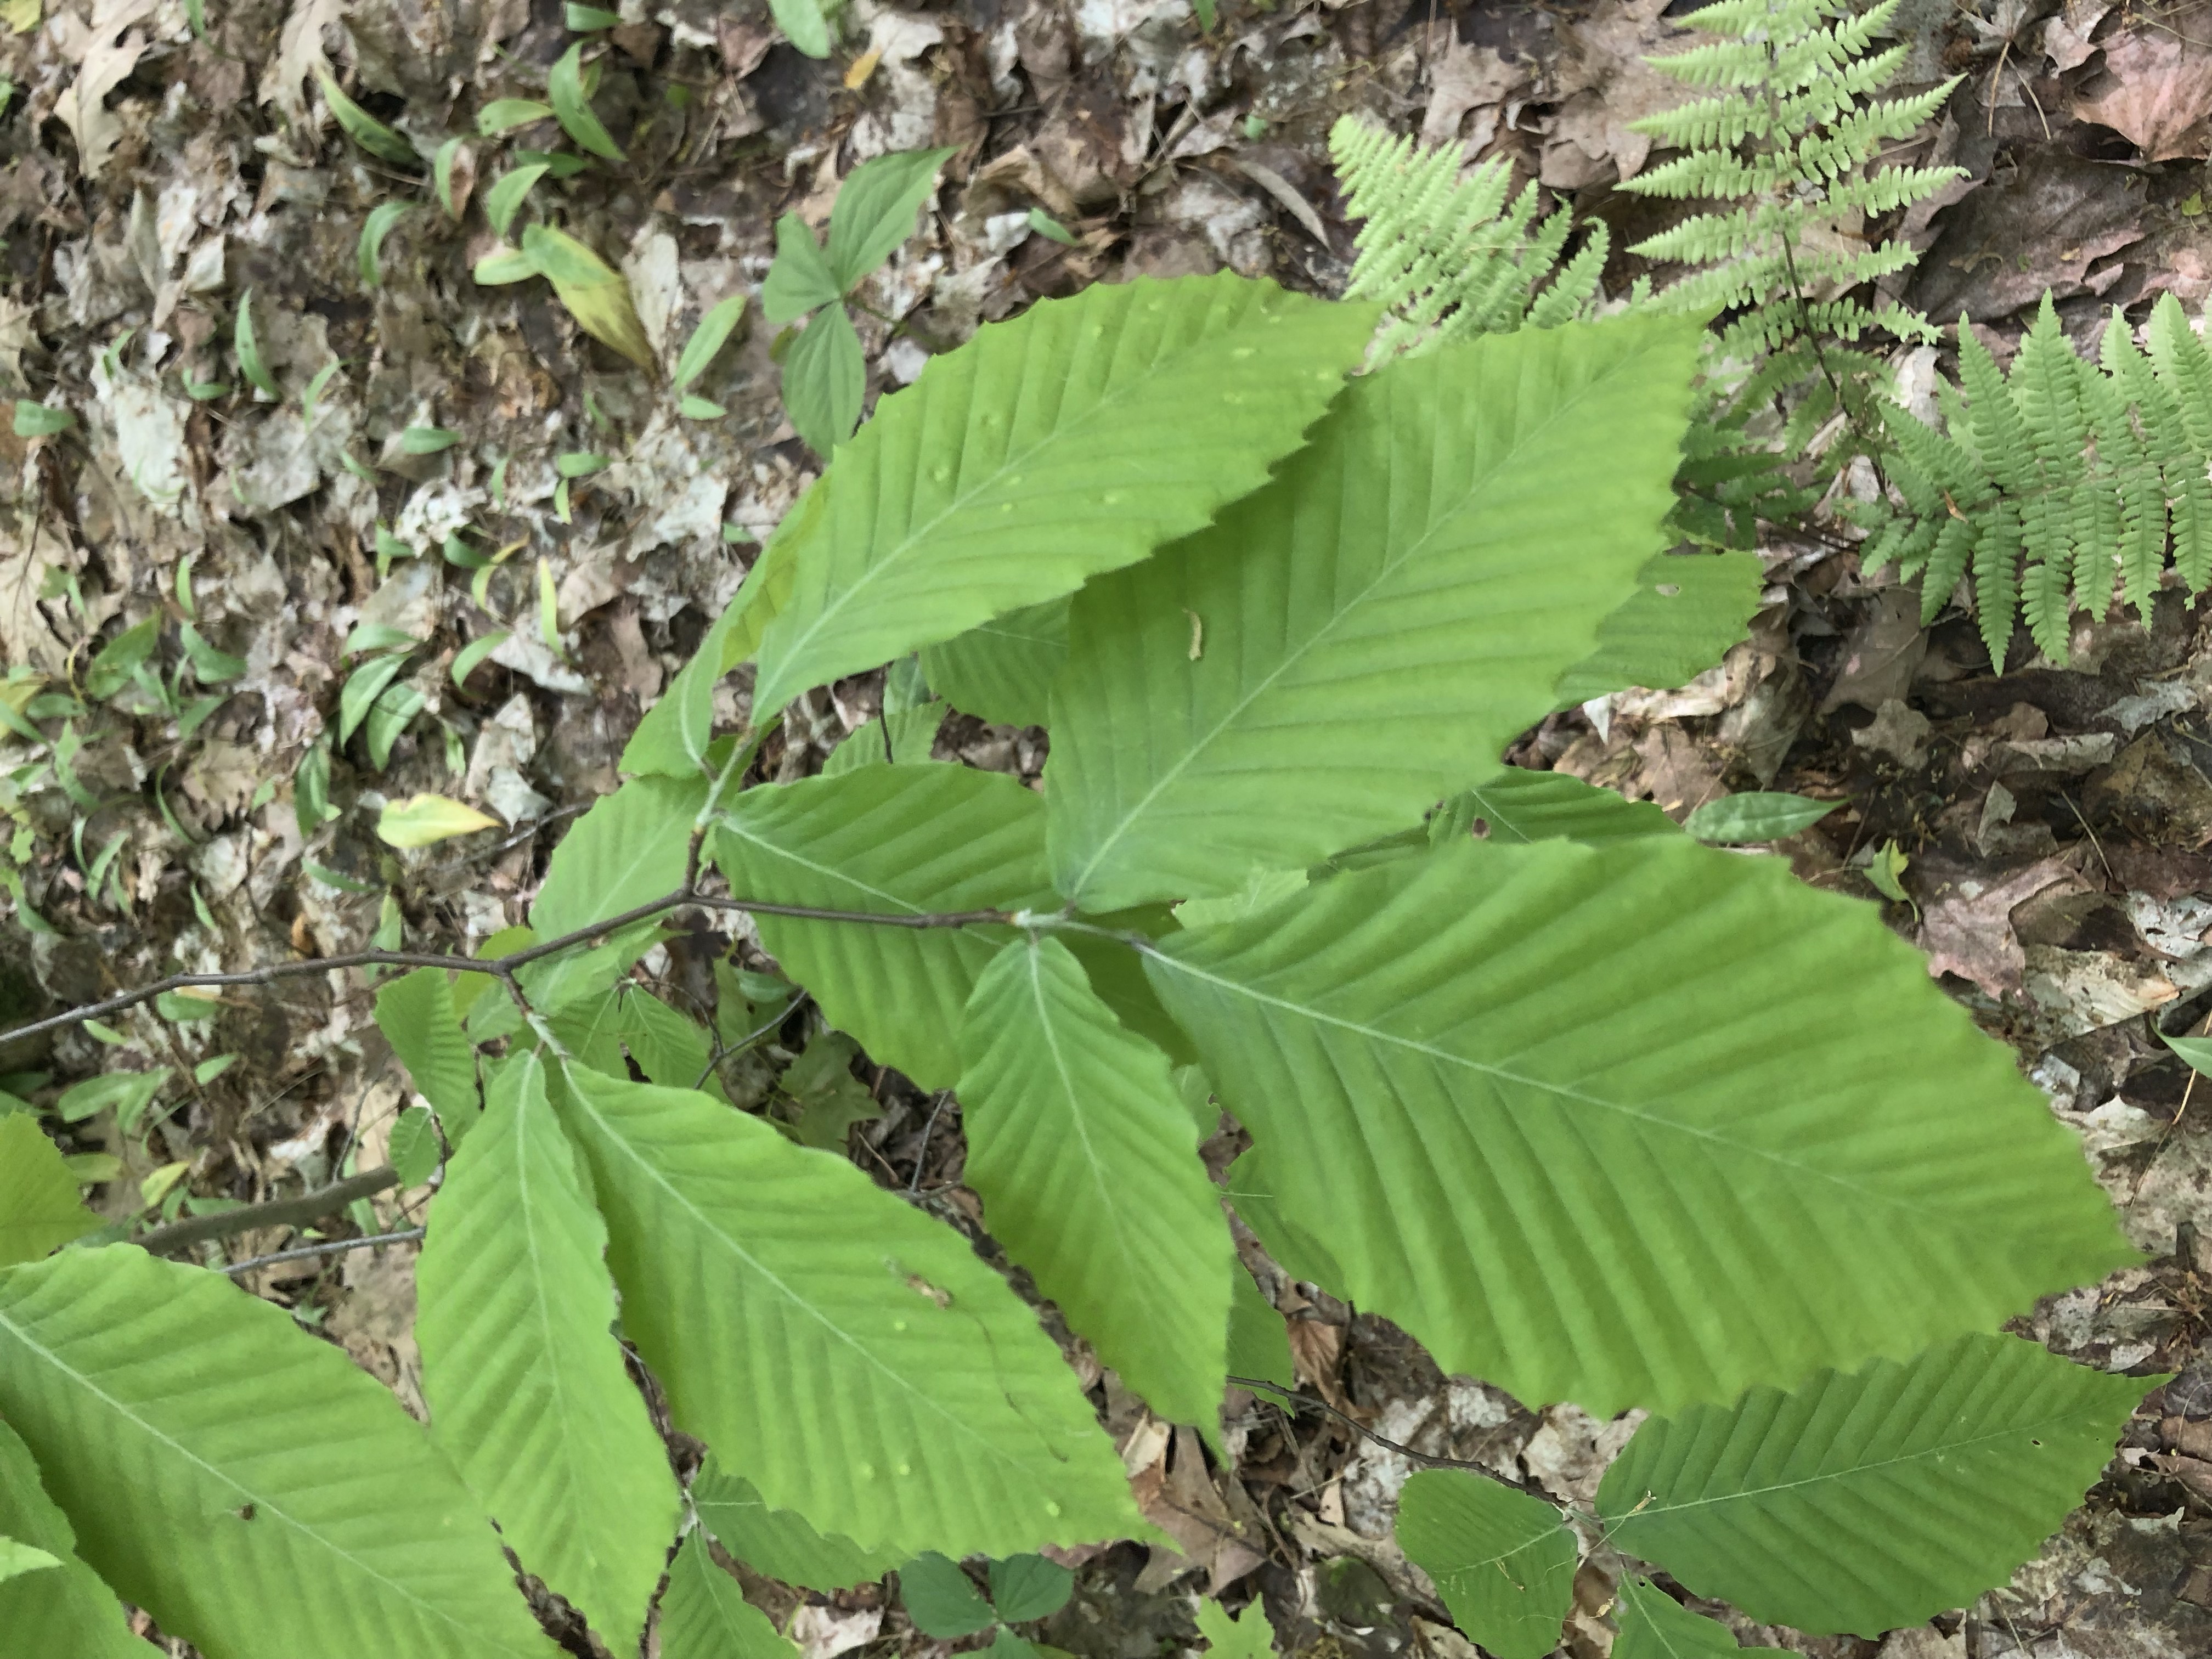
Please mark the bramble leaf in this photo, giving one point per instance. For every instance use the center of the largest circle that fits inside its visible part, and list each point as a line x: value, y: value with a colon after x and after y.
x: 1087, y: 1162
x: 1655, y: 1625
x: 853, y: 1358
x: 1123, y: 417
x: 68, y: 1611
x: 1390, y: 613
x: 39, y: 1208
x: 416, y: 1014
x: 205, y: 1449
x: 1924, y: 1482
x: 1503, y: 1561
x: 704, y: 1613
x: 1686, y: 611
x: 779, y: 1542
x: 1533, y: 1103
x: 528, y: 1392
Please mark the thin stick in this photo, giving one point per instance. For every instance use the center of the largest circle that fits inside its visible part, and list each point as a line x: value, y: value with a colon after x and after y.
x: 329, y: 1246
x: 278, y: 1213
x: 504, y: 968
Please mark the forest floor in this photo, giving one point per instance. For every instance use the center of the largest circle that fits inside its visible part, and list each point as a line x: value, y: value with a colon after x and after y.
x: 164, y: 160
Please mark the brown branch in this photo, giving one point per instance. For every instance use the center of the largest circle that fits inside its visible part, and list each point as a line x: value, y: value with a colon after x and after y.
x: 278, y: 1212
x: 328, y: 1247
x: 504, y: 967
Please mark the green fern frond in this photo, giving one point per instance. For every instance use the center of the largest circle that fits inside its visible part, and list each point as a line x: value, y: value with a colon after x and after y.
x: 1445, y: 254
x: 2061, y: 482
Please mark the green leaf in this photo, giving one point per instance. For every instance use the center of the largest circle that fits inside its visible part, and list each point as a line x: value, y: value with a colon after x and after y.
x: 901, y: 739
x: 630, y: 848
x: 39, y: 1209
x: 111, y: 666
x: 248, y: 351
x: 704, y: 1613
x: 707, y: 340
x: 692, y: 407
x: 374, y: 230
x: 129, y: 1093
x: 1517, y: 806
x: 1258, y: 1341
x: 428, y: 440
x: 875, y: 209
x: 1755, y: 817
x: 1389, y: 614
x: 779, y: 1542
x: 668, y: 1047
x: 594, y: 292
x: 802, y: 24
x: 800, y: 280
x: 528, y: 1390
x: 364, y: 129
x: 1512, y: 807
x: 1121, y: 418
x: 442, y: 182
x: 1050, y: 228
x: 825, y: 380
x: 206, y: 1450
x: 1248, y: 1636
x: 1687, y: 611
x: 1003, y: 669
x: 585, y: 19
x: 830, y: 1097
x: 572, y: 106
x: 1087, y: 1162
x: 426, y: 820
x: 1503, y: 1561
x: 1026, y: 1587
x: 69, y: 1612
x: 1494, y: 1080
x: 17, y: 1558
x: 505, y: 264
x: 2195, y: 1052
x: 414, y: 1150
x: 504, y: 114
x: 1924, y: 1482
x: 415, y: 1013
x: 503, y: 200
x: 851, y: 1356
x: 387, y: 718
x: 212, y: 665
x: 1655, y: 1625
x: 897, y: 841
x: 40, y: 420
x: 941, y: 1599
x: 472, y: 656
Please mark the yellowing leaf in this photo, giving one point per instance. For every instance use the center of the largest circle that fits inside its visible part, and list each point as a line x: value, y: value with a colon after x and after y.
x: 594, y: 292
x: 422, y: 819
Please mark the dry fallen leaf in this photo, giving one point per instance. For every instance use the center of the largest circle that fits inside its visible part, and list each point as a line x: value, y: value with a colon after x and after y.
x: 1967, y: 926
x: 2158, y: 95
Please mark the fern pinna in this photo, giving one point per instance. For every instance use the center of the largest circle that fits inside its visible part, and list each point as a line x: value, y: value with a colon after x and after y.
x: 1447, y: 256
x: 2059, y: 484
x: 1785, y: 137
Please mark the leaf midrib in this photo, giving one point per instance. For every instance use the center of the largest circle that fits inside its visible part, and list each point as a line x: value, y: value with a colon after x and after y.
x: 2048, y: 1425
x: 895, y: 556
x: 1565, y: 1091
x: 263, y: 1504
x: 1033, y: 966
x: 1296, y: 655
